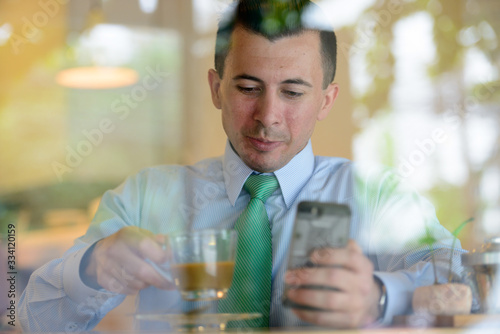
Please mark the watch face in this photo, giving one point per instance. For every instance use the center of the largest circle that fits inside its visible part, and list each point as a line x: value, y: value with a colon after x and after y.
x: 382, y: 302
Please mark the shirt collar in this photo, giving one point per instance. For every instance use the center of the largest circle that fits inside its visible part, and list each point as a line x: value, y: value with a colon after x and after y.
x: 292, y: 177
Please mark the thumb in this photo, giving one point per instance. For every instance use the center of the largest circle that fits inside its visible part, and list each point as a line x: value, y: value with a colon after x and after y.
x: 160, y: 238
x: 354, y: 247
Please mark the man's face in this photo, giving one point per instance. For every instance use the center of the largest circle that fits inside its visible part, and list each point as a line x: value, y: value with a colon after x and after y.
x: 271, y: 96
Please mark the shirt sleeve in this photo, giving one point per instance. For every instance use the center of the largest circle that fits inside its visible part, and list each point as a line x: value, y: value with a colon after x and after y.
x: 55, y: 298
x: 396, y: 220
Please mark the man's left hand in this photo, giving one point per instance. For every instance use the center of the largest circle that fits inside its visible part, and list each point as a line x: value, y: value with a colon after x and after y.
x: 352, y: 301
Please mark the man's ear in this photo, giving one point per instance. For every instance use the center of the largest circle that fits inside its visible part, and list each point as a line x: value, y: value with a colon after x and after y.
x: 330, y: 95
x: 214, y: 82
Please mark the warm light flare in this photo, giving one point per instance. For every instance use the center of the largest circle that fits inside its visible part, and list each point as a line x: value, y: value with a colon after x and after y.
x: 97, y: 77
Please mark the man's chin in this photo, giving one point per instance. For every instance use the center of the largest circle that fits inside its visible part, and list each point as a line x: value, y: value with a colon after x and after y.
x: 261, y: 164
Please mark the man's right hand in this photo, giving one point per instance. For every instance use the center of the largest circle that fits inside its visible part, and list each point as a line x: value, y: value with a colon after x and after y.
x: 117, y: 263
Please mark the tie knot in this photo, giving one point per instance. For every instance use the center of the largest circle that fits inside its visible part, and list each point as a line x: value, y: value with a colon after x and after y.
x: 261, y: 186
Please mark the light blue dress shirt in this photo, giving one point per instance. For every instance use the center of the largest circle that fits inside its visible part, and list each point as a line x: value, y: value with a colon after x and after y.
x: 387, y: 218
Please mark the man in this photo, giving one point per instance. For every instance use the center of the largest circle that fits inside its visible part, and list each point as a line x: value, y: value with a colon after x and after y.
x: 273, y: 79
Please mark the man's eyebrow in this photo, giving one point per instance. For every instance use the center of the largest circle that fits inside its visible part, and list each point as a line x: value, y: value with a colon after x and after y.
x: 247, y: 77
x: 295, y: 81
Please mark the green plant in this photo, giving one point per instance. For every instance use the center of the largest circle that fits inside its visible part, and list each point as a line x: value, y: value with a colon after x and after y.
x: 455, y: 236
x: 429, y: 240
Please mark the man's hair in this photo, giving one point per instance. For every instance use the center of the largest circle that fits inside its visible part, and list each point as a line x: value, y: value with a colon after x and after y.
x: 275, y: 19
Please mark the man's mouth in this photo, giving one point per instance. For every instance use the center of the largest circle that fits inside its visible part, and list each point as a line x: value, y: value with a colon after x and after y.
x: 263, y: 145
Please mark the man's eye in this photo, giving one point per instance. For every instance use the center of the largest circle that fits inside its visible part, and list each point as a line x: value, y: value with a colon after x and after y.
x: 248, y: 90
x: 292, y: 94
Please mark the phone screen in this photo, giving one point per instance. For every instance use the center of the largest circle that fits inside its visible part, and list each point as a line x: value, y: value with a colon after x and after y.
x: 317, y: 225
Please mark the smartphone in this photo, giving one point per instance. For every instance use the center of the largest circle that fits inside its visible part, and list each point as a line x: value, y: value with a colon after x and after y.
x: 317, y: 225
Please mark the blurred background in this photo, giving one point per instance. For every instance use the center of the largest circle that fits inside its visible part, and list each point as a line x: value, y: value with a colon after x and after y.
x: 91, y: 91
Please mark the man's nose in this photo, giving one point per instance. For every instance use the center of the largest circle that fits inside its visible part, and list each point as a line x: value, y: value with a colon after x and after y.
x: 269, y: 110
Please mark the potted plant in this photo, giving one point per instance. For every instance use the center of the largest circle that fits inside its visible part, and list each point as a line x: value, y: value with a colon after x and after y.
x: 443, y: 298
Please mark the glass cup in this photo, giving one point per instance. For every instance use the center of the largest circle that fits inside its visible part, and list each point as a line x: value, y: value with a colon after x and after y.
x: 202, y: 262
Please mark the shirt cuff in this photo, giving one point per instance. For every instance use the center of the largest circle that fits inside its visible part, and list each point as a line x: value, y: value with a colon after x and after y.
x: 73, y: 285
x: 399, y: 294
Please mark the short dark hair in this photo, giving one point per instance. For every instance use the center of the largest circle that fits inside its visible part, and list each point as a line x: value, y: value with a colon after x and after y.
x: 275, y: 19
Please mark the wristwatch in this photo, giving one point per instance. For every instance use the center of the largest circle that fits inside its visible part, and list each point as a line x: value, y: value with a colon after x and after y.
x: 382, y: 302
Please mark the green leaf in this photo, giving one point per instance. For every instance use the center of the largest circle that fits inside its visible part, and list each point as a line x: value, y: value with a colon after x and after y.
x: 461, y: 227
x: 455, y: 233
x: 427, y: 240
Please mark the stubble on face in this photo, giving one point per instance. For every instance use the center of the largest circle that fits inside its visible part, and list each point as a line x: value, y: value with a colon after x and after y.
x: 269, y: 147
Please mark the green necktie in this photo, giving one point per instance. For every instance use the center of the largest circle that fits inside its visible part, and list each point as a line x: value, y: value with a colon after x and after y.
x: 250, y: 291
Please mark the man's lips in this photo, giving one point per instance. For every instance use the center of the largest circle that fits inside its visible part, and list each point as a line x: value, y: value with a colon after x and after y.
x: 263, y: 145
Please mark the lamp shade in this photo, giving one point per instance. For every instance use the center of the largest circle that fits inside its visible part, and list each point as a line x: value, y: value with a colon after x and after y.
x: 97, y: 77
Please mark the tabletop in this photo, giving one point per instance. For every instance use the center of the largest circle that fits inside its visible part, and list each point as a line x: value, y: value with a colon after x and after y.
x: 325, y: 331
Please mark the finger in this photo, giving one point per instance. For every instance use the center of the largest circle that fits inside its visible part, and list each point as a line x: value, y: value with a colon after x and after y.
x: 326, y: 276
x: 129, y: 269
x: 138, y: 270
x: 333, y: 256
x: 121, y: 261
x: 330, y: 319
x: 338, y: 278
x: 115, y: 277
x: 327, y: 300
x: 145, y: 243
x: 149, y: 248
x: 340, y: 310
x: 330, y: 256
x: 158, y: 280
x: 351, y: 258
x: 300, y: 276
x: 353, y: 246
x: 160, y: 238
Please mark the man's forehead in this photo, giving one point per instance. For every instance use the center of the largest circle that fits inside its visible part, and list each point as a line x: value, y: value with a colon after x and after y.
x: 240, y: 30
x: 290, y: 60
x: 243, y: 39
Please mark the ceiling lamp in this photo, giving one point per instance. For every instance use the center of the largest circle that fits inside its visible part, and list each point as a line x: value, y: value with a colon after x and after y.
x: 97, y: 77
